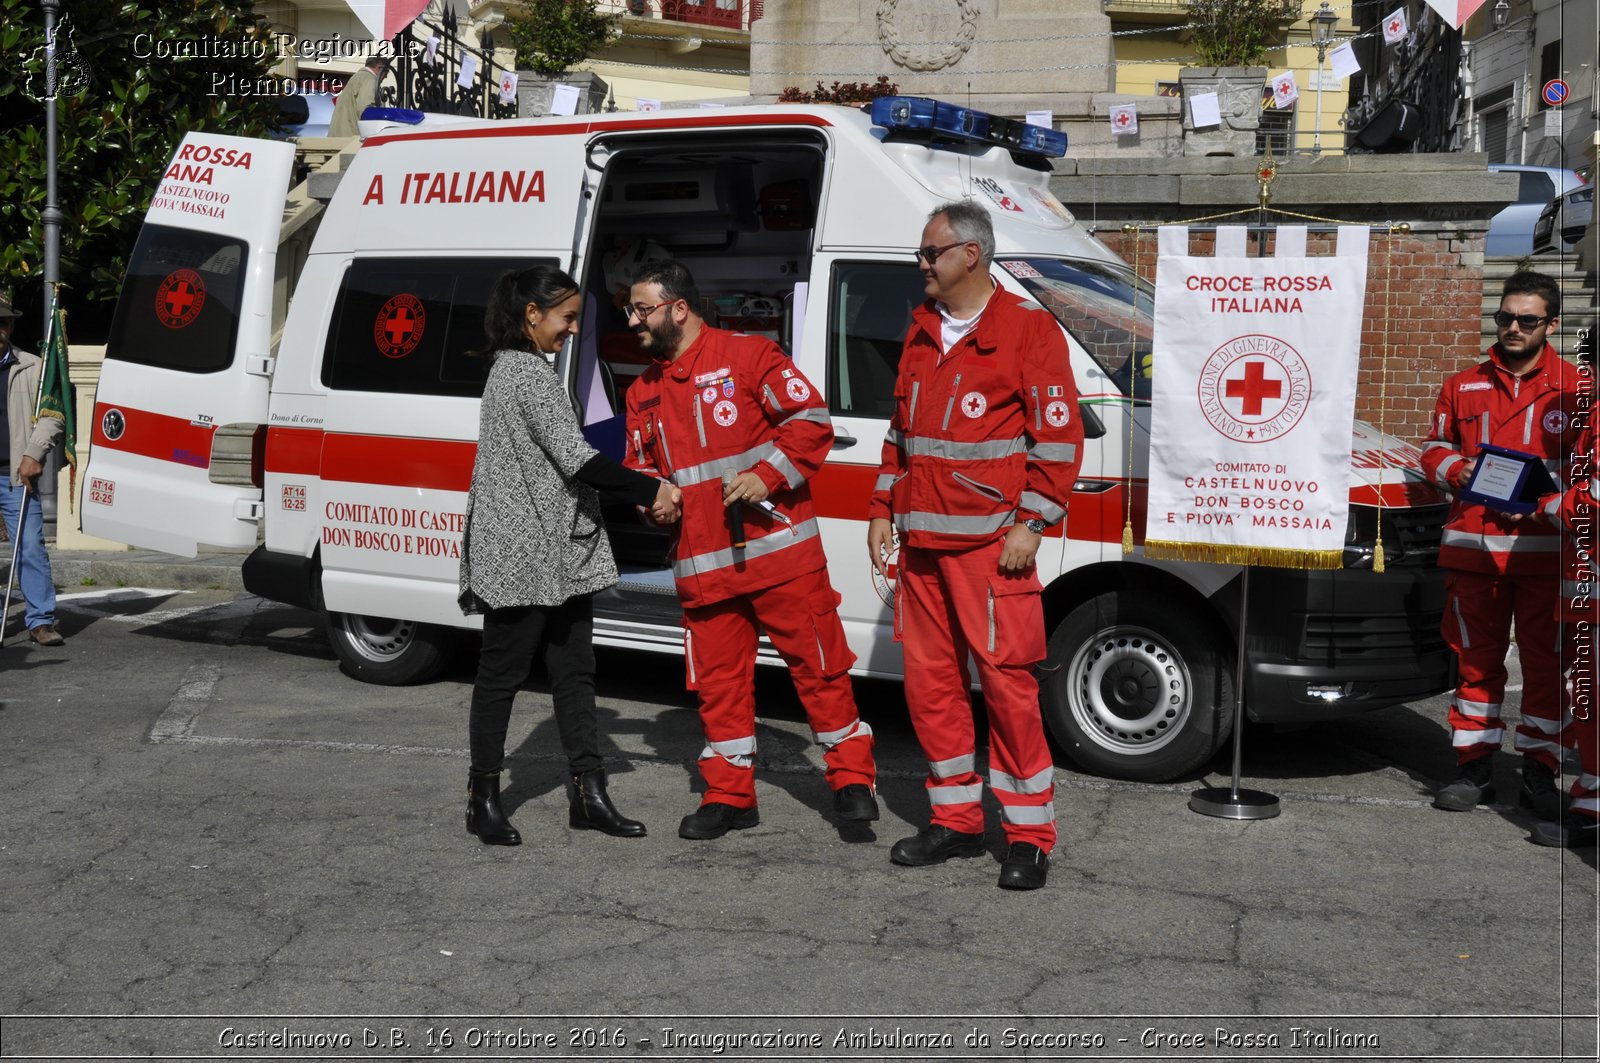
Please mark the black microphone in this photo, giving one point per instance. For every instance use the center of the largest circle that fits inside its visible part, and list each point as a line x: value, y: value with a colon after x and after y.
x: 735, y: 515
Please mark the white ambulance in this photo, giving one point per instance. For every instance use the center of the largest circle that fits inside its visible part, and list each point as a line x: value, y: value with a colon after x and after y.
x: 348, y: 444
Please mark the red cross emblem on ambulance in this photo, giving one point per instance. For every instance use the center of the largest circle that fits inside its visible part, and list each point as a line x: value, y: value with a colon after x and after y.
x: 399, y: 326
x: 179, y: 298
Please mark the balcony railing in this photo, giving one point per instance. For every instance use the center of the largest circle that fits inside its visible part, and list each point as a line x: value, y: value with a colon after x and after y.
x: 722, y: 14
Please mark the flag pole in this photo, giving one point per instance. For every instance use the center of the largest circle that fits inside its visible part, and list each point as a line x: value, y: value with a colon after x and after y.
x: 16, y: 550
x: 51, y: 216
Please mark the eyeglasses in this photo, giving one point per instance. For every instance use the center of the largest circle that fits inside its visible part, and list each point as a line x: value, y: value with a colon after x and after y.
x: 642, y: 311
x: 930, y: 254
x: 1527, y: 322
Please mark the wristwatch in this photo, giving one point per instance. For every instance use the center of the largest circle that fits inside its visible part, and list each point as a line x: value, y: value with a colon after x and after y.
x: 1035, y: 525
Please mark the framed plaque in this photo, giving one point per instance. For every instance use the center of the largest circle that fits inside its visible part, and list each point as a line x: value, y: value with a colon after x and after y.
x: 1508, y: 480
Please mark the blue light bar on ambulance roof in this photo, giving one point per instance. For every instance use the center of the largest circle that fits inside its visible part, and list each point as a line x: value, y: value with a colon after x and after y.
x: 404, y: 115
x: 919, y: 114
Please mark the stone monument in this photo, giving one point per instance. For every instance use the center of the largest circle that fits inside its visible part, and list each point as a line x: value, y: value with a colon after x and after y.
x: 1005, y: 56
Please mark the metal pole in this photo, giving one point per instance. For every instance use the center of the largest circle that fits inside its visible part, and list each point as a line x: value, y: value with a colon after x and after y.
x: 1316, y: 139
x: 51, y: 216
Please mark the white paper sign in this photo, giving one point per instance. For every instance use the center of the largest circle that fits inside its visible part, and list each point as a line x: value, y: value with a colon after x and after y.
x: 1204, y: 110
x: 508, y: 86
x: 1253, y: 404
x: 1343, y: 61
x: 469, y: 70
x: 1552, y: 123
x: 432, y: 55
x: 1124, y: 120
x: 646, y: 104
x: 1045, y: 119
x: 564, y: 99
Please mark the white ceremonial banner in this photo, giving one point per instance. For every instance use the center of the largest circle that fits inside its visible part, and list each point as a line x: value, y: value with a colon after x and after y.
x: 1253, y: 400
x: 508, y: 86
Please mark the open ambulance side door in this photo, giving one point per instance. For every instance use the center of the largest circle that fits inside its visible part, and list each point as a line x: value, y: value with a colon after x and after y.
x: 176, y: 437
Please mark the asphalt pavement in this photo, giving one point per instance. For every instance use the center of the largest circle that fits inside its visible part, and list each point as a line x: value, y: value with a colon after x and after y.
x: 215, y: 845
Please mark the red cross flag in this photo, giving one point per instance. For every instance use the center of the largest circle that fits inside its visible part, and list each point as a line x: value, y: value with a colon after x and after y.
x: 1124, y: 120
x: 1395, y: 27
x: 1284, y: 91
x: 1253, y: 400
x: 508, y: 86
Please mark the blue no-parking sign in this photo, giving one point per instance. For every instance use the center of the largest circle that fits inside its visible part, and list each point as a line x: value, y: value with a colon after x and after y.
x: 1555, y: 92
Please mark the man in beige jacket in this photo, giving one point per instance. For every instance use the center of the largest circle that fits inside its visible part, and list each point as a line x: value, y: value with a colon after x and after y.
x: 28, y: 440
x: 359, y: 93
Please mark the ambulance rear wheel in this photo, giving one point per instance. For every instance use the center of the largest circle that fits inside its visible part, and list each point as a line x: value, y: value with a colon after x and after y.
x: 1134, y: 689
x: 389, y: 653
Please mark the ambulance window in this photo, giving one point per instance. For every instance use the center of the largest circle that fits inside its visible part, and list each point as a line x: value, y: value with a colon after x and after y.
x: 179, y: 307
x: 871, y: 311
x: 1107, y: 310
x: 402, y: 325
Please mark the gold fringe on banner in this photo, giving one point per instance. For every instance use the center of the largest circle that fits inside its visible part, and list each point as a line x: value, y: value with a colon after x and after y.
x: 1263, y: 556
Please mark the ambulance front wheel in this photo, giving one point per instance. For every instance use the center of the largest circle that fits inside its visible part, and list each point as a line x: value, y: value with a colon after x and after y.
x: 1135, y: 689
x: 388, y: 652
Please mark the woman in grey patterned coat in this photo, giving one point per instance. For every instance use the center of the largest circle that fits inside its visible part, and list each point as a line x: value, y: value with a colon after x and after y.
x: 535, y: 549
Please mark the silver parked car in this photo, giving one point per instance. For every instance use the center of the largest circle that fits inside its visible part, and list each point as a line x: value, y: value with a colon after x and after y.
x: 1563, y: 220
x: 1511, y: 231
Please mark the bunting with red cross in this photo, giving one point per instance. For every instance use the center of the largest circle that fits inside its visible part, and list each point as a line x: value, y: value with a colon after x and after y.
x: 1253, y: 399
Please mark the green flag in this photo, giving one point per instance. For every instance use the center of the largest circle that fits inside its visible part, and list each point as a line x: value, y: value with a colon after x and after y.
x: 55, y: 392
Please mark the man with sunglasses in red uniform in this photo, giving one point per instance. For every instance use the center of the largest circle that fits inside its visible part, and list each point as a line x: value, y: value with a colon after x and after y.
x: 1505, y: 568
x: 979, y: 461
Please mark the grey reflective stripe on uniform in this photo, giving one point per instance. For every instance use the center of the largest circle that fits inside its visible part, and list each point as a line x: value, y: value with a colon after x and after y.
x: 895, y: 439
x: 1033, y: 784
x: 916, y: 389
x: 1483, y: 427
x: 1590, y: 803
x: 699, y: 420
x: 1435, y: 443
x: 1552, y: 507
x: 791, y: 475
x: 885, y: 481
x: 955, y: 795
x: 739, y: 752
x: 701, y: 564
x: 810, y: 413
x: 929, y: 447
x: 1549, y: 727
x: 991, y: 619
x: 1041, y: 505
x: 945, y: 524
x: 857, y: 729
x: 1488, y: 736
x: 1038, y: 411
x: 1527, y: 427
x: 1478, y: 710
x: 949, y: 769
x: 1053, y: 452
x: 1594, y: 488
x: 1442, y: 477
x: 713, y: 469
x: 1502, y: 544
x: 1028, y: 815
x: 661, y: 434
x: 949, y: 407
x: 1461, y: 624
x: 771, y: 398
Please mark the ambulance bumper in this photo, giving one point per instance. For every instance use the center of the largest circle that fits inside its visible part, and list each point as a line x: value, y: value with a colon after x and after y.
x: 1330, y: 644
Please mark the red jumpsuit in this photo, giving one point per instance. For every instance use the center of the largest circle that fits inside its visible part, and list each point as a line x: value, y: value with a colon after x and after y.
x: 983, y: 436
x: 1502, y: 569
x: 1579, y: 604
x: 731, y: 404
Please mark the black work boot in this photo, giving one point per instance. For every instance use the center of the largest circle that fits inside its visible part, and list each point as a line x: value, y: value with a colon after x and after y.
x: 935, y: 845
x: 484, y: 817
x: 1539, y: 793
x: 855, y: 804
x: 1473, y: 788
x: 714, y: 819
x: 592, y: 809
x: 1573, y: 831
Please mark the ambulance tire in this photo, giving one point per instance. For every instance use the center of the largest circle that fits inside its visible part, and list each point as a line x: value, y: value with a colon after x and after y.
x: 389, y: 653
x: 1136, y: 689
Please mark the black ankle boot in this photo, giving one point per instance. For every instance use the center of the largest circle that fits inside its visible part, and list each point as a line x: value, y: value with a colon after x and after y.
x: 484, y: 817
x: 592, y: 808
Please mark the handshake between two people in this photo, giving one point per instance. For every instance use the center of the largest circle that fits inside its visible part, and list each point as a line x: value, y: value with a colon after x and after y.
x: 747, y: 488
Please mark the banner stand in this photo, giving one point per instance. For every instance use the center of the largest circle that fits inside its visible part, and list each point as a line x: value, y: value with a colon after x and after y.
x: 1232, y: 802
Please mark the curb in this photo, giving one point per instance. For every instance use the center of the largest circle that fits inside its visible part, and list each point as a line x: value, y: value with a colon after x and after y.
x: 73, y: 570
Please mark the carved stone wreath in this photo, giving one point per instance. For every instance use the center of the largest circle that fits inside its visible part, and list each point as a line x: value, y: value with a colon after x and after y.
x: 927, y: 57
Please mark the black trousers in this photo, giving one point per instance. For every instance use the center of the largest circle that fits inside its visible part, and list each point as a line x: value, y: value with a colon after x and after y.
x: 510, y: 639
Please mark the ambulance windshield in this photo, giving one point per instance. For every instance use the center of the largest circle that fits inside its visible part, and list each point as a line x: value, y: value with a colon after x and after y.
x: 1105, y: 308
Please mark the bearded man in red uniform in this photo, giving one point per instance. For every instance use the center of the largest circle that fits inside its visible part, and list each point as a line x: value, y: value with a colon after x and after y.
x: 729, y: 419
x: 1503, y: 567
x: 979, y: 461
